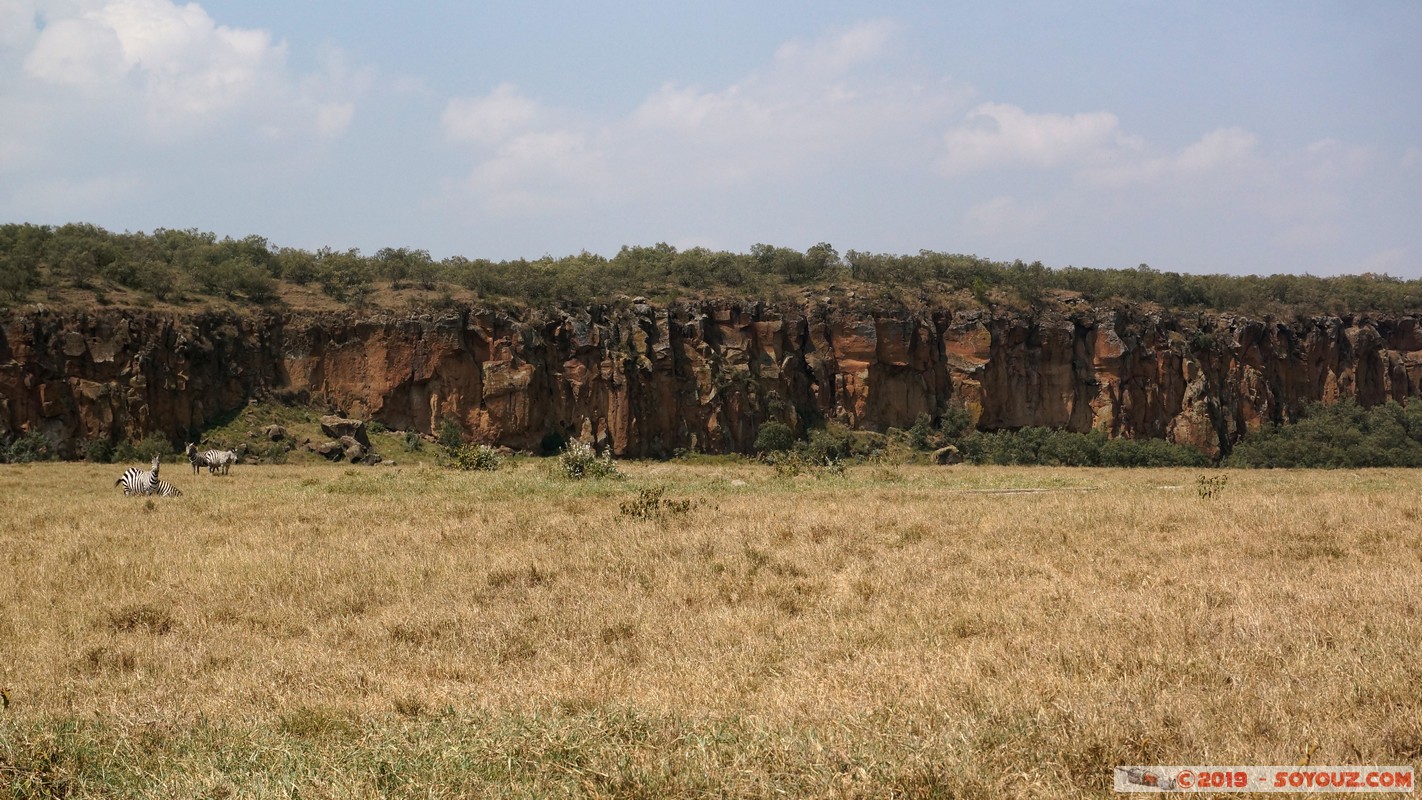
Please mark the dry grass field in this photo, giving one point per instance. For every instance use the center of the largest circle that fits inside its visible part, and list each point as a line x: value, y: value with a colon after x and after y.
x: 325, y: 631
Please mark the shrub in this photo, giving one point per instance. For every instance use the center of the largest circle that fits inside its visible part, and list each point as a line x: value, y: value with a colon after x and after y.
x: 774, y: 437
x: 451, y: 434
x: 275, y: 453
x: 579, y: 460
x: 787, y: 464
x: 1046, y: 447
x: 1344, y: 435
x: 1208, y: 487
x: 142, y: 450
x: 32, y: 446
x: 99, y: 451
x: 650, y: 504
x: 480, y: 457
x: 1150, y: 453
x: 834, y: 442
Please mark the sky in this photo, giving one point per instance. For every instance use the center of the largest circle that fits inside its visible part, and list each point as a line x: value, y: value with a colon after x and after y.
x: 1208, y: 137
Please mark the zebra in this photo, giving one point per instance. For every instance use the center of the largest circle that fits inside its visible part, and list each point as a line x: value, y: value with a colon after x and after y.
x: 164, y: 489
x: 214, y: 460
x: 136, y: 481
x: 143, y: 482
x: 198, y: 460
x: 220, y: 461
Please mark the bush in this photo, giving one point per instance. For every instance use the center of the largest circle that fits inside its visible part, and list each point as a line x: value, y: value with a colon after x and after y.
x: 275, y: 453
x: 1344, y: 435
x: 451, y: 434
x: 1046, y: 447
x: 1150, y: 453
x: 650, y: 504
x: 774, y: 437
x: 32, y: 446
x: 579, y: 460
x: 480, y: 457
x: 834, y: 442
x: 144, y: 450
x: 99, y: 451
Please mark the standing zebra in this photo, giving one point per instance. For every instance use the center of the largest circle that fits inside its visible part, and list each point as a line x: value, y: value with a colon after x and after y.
x: 220, y: 461
x: 198, y: 460
x: 136, y: 481
x: 214, y: 460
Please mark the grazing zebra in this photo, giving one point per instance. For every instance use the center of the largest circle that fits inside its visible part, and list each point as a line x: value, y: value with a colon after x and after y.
x: 214, y: 460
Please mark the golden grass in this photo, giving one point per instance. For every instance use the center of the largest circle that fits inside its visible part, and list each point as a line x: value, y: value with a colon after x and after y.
x: 351, y: 632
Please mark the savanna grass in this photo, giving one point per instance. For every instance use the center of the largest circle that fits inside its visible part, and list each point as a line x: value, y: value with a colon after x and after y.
x: 912, y: 632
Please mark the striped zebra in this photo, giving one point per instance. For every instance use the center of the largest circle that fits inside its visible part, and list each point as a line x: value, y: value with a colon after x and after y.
x: 214, y: 460
x: 137, y: 481
x: 164, y: 489
x: 144, y: 482
x: 220, y: 461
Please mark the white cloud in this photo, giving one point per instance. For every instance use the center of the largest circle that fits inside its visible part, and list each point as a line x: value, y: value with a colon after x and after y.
x: 332, y: 119
x: 186, y: 64
x: 489, y: 119
x: 176, y: 66
x: 77, y: 52
x: 110, y: 107
x: 1000, y: 135
x: 17, y: 22
x: 1217, y: 152
x: 817, y: 106
x: 840, y: 52
x: 539, y: 171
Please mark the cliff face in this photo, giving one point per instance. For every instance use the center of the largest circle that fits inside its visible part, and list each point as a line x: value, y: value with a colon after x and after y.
x: 646, y: 380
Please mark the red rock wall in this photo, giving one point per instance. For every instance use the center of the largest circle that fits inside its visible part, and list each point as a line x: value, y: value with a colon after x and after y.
x: 704, y: 376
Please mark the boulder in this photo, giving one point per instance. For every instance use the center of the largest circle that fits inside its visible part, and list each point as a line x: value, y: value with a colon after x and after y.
x: 947, y: 455
x: 354, y: 451
x: 274, y: 432
x: 337, y: 427
x: 331, y: 450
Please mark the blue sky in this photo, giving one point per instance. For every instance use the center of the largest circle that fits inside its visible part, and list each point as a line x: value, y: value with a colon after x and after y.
x: 1254, y: 137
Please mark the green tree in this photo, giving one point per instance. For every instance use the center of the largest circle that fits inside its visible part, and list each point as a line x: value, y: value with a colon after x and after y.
x: 345, y: 276
x: 22, y: 249
x: 774, y: 437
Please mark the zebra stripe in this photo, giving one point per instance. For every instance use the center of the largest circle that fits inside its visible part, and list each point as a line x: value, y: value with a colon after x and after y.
x: 164, y: 489
x: 136, y: 481
x: 220, y: 461
x: 214, y: 460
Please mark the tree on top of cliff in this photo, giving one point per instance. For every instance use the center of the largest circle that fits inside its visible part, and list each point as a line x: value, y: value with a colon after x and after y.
x: 80, y: 263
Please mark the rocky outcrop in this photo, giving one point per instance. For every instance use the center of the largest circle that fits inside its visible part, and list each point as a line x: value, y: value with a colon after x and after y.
x: 643, y: 380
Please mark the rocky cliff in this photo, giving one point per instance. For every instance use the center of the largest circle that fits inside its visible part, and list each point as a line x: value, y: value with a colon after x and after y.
x: 645, y: 380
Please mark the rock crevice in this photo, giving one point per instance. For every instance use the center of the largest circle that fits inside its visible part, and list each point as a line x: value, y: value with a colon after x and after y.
x: 645, y: 380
